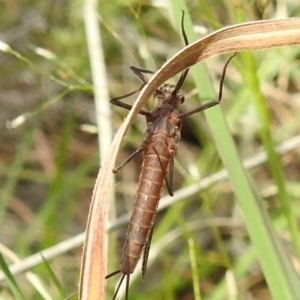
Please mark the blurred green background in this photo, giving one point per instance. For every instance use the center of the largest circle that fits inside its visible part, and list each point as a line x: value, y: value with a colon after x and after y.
x: 48, y: 164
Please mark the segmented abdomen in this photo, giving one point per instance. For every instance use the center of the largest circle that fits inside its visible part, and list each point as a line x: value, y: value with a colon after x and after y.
x: 145, y: 205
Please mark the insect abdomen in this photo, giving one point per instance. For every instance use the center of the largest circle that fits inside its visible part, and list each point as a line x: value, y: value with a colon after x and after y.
x: 145, y: 206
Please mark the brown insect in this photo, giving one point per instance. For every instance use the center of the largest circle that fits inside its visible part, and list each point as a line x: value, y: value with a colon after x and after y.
x: 159, y: 147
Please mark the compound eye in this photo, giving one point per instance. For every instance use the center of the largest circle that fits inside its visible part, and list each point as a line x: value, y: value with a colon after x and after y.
x: 159, y: 92
x: 182, y: 99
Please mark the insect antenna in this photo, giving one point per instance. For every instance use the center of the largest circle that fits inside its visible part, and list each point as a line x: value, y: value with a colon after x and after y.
x: 223, y: 76
x: 184, y: 73
x: 127, y: 286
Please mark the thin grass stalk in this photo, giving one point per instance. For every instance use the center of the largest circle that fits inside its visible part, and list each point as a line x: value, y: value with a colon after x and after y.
x: 193, y: 261
x: 92, y: 287
x: 99, y: 76
x: 17, y: 167
x: 11, y: 280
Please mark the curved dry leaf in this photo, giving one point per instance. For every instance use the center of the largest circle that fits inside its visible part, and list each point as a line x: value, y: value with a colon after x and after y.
x: 242, y: 37
x: 93, y: 264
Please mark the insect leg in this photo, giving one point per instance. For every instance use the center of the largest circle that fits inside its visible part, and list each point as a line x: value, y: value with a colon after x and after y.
x: 168, y: 184
x: 214, y: 102
x: 171, y: 170
x: 139, y: 72
x: 146, y: 253
x: 119, y: 284
x: 120, y: 167
x: 116, y: 101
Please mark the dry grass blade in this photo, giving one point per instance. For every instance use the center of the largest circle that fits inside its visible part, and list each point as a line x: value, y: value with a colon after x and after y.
x: 242, y: 37
x: 93, y: 263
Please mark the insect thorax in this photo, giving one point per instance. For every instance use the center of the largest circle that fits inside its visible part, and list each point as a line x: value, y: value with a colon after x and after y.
x: 164, y: 96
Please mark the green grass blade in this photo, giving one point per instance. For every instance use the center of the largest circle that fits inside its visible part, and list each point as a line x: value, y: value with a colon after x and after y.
x: 194, y: 270
x: 13, y: 175
x: 11, y: 280
x: 54, y: 279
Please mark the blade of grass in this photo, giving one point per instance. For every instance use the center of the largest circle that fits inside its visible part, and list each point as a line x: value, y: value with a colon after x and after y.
x: 32, y: 278
x: 194, y: 270
x: 47, y: 215
x: 93, y: 266
x: 11, y: 280
x: 14, y: 173
x: 240, y: 270
x: 280, y: 275
x: 54, y: 278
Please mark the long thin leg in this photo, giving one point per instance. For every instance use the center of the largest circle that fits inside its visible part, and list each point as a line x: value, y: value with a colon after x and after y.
x: 168, y: 184
x: 139, y: 72
x: 171, y: 177
x: 214, y: 102
x: 116, y: 101
x: 120, y: 167
x: 146, y: 253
